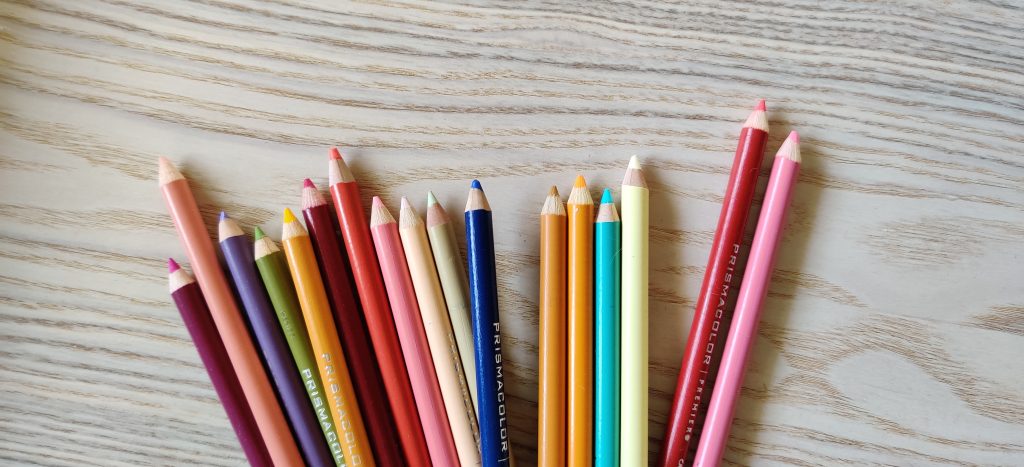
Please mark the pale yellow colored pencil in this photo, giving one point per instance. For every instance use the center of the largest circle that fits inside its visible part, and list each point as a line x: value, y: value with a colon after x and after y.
x: 458, y: 403
x: 451, y: 269
x: 633, y: 403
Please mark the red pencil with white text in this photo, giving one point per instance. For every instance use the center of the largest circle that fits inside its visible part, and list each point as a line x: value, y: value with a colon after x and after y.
x: 717, y: 299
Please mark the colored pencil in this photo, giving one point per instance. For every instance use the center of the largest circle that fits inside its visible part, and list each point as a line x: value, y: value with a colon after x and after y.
x: 756, y: 278
x: 633, y: 395
x: 355, y: 340
x: 607, y: 303
x: 452, y: 273
x: 323, y: 336
x: 716, y: 299
x: 189, y: 300
x: 551, y: 441
x: 580, y: 209
x: 415, y: 347
x: 443, y: 349
x: 238, y: 254
x: 278, y: 282
x: 258, y: 392
x: 495, y: 447
x: 379, y: 320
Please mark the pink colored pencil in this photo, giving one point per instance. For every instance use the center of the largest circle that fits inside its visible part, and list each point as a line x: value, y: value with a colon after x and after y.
x: 756, y: 278
x: 415, y: 348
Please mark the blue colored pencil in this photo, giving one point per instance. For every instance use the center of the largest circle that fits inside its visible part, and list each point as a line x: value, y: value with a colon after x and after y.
x: 607, y: 280
x: 495, y: 446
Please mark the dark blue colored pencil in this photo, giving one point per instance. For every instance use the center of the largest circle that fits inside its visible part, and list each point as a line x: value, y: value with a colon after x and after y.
x: 495, y: 446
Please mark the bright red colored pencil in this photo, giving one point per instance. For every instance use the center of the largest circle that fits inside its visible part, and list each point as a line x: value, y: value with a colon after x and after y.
x: 716, y: 301
x: 370, y: 284
x: 355, y: 340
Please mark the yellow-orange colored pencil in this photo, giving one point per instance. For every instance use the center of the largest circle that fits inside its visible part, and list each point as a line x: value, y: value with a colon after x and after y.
x: 551, y: 395
x: 581, y: 325
x: 323, y: 335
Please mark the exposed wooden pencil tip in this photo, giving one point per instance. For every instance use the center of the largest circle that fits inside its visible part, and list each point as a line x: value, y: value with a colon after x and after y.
x: 580, y: 194
x: 634, y: 163
x: 553, y: 191
x: 377, y: 202
x: 227, y: 228
x: 379, y: 213
x: 288, y: 216
x: 431, y: 200
x: 257, y: 233
x: 172, y: 265
x: 794, y: 136
x: 335, y: 155
x: 790, y: 148
x: 405, y: 203
x: 167, y: 171
x: 307, y: 183
x: 580, y: 182
x: 760, y: 106
x: 553, y: 204
x: 223, y: 215
x: 337, y: 169
x: 634, y: 174
x: 606, y: 197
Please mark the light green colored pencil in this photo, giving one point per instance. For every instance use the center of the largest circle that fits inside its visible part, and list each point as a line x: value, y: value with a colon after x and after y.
x: 451, y: 270
x: 278, y: 281
x: 635, y: 221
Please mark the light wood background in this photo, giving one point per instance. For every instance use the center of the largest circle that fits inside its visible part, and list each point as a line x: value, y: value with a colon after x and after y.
x: 894, y: 329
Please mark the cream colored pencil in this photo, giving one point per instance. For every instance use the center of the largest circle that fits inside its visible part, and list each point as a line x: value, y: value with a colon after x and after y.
x: 443, y: 347
x: 633, y: 408
x: 451, y: 269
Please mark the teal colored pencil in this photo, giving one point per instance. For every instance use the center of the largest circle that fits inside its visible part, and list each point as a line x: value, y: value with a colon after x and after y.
x: 607, y: 305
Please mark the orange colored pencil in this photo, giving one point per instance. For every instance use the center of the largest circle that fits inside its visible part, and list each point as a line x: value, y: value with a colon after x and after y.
x: 551, y: 403
x: 581, y: 325
x: 323, y: 335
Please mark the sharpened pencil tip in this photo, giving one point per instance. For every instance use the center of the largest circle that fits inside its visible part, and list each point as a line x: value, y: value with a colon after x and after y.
x: 335, y: 155
x: 606, y: 197
x: 257, y: 233
x: 377, y: 202
x: 793, y: 135
x: 476, y: 184
x: 634, y: 162
x: 288, y: 216
x: 580, y: 182
x: 760, y: 106
x: 307, y: 183
x: 172, y: 265
x: 553, y: 191
x: 405, y: 203
x: 223, y: 216
x: 431, y: 200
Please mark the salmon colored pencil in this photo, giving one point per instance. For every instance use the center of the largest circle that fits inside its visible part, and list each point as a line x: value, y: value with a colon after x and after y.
x: 551, y: 399
x: 355, y: 340
x: 379, y: 320
x: 415, y: 347
x: 443, y: 349
x: 756, y: 278
x: 580, y: 210
x: 233, y: 332
x: 323, y: 335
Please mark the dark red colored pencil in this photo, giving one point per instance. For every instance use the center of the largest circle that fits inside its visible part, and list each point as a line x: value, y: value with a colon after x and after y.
x: 716, y: 301
x: 192, y: 306
x: 355, y: 340
x: 379, y: 320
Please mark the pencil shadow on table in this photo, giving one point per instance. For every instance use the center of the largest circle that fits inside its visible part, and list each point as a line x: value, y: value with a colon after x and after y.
x: 766, y: 354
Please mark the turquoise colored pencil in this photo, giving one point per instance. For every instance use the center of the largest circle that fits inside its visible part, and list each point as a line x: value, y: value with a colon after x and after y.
x: 607, y: 305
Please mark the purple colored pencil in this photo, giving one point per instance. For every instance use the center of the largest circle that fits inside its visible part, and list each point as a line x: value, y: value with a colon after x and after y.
x: 192, y: 306
x: 238, y: 253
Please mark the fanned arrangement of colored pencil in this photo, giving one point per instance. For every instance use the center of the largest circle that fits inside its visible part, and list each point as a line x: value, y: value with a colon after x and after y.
x: 381, y: 346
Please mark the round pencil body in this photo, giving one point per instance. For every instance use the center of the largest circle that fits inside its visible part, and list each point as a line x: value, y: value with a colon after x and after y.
x: 495, y: 447
x: 323, y: 336
x: 580, y: 210
x: 551, y: 440
x: 415, y: 347
x: 443, y: 349
x: 379, y: 321
x: 232, y: 329
x: 716, y: 299
x: 238, y: 254
x: 355, y: 340
x: 756, y: 278
x: 607, y: 303
x: 196, y: 317
x: 451, y: 271
x: 633, y: 396
x: 278, y: 281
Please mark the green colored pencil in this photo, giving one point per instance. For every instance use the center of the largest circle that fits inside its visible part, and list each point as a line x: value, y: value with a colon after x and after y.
x: 278, y: 281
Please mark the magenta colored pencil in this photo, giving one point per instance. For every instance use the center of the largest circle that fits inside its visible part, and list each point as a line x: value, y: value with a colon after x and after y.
x: 748, y: 304
x: 195, y: 314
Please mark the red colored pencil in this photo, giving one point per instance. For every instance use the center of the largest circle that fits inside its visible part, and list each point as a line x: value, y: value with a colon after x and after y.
x: 716, y: 301
x: 194, y: 312
x: 355, y: 340
x: 370, y: 284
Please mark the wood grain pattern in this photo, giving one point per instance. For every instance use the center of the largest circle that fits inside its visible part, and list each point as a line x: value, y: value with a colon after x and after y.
x: 894, y: 326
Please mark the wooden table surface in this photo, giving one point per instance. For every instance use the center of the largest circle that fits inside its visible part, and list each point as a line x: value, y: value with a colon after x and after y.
x: 894, y: 328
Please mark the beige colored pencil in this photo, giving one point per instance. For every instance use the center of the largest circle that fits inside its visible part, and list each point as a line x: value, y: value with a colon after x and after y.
x: 451, y: 269
x: 443, y: 348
